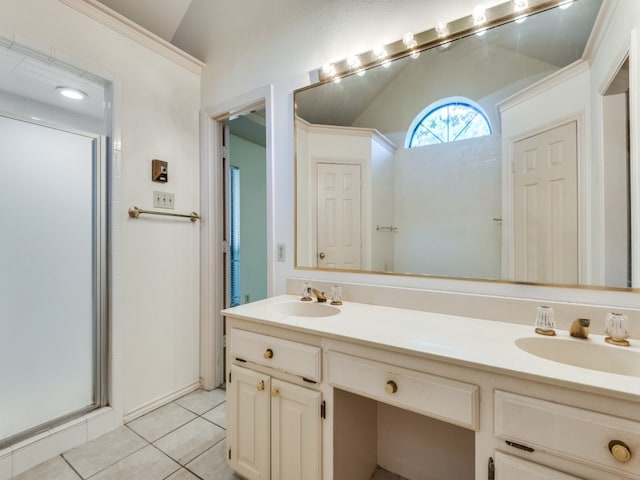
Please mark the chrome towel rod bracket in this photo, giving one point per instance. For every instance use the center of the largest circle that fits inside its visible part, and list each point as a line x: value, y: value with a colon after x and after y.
x: 135, y: 212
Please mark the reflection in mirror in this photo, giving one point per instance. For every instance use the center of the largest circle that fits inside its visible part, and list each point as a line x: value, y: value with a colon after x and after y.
x: 472, y: 161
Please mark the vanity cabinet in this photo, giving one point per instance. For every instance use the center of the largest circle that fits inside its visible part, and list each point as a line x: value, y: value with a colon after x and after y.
x: 274, y: 426
x: 405, y: 392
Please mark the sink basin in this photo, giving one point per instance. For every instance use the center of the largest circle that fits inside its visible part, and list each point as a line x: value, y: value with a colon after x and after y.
x: 304, y: 309
x: 584, y: 354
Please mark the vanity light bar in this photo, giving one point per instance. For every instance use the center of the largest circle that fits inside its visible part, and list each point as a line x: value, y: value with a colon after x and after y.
x: 442, y: 34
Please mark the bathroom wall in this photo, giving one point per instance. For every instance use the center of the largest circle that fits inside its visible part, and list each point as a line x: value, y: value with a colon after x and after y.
x: 290, y: 42
x: 154, y: 263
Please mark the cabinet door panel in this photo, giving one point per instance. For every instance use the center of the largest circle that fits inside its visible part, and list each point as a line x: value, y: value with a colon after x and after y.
x: 248, y: 423
x: 511, y: 468
x: 295, y: 432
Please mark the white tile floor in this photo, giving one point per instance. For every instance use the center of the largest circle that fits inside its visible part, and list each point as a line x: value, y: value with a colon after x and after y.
x: 183, y: 440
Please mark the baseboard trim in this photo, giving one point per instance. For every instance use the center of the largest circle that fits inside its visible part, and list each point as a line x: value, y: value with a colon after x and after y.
x: 159, y: 402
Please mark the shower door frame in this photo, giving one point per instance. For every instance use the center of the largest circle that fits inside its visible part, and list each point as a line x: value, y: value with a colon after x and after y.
x: 100, y: 246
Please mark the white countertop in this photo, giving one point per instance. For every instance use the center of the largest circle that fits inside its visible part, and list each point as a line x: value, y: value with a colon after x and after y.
x: 466, y: 341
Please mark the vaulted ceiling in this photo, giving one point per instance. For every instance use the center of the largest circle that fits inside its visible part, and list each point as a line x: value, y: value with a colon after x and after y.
x: 160, y: 17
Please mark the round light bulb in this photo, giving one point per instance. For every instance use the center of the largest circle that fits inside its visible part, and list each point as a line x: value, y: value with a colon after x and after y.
x: 519, y: 5
x: 328, y: 69
x: 409, y: 40
x: 441, y: 29
x: 379, y: 51
x: 479, y: 15
x: 415, y: 54
x: 353, y: 61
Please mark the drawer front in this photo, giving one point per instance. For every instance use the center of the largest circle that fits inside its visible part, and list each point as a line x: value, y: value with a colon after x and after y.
x: 449, y: 400
x: 284, y: 355
x: 511, y: 468
x: 566, y: 431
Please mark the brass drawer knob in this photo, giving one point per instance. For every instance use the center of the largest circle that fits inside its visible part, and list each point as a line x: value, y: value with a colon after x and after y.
x: 275, y: 391
x: 268, y: 353
x: 620, y: 450
x: 261, y: 386
x: 391, y: 387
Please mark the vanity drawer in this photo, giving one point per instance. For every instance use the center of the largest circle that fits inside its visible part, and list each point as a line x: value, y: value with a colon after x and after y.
x: 510, y: 468
x: 567, y: 431
x: 284, y: 355
x: 442, y: 398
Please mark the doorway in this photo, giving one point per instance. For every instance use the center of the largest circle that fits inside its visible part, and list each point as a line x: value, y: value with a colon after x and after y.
x: 237, y: 134
x: 616, y: 151
x: 245, y: 212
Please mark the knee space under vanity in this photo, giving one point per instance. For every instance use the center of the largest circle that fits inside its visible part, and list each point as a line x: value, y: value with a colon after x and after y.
x: 368, y: 434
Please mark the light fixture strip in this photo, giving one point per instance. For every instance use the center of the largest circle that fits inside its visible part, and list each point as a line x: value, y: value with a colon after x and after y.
x: 462, y: 27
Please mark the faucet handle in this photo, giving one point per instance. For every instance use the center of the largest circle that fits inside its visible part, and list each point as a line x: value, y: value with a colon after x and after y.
x: 306, y: 292
x: 617, y: 327
x: 545, y: 324
x: 336, y: 295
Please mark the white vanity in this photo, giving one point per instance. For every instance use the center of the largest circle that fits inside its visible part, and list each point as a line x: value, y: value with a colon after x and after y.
x: 322, y: 392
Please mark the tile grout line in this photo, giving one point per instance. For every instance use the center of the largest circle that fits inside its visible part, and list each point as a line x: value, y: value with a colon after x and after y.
x: 71, y: 466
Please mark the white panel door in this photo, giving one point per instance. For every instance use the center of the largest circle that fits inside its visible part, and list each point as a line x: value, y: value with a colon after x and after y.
x: 295, y: 432
x: 546, y: 207
x: 248, y: 420
x: 339, y: 216
x: 513, y: 468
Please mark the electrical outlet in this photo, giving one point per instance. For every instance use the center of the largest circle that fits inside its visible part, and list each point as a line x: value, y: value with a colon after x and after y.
x: 282, y: 252
x: 247, y: 298
x: 163, y: 200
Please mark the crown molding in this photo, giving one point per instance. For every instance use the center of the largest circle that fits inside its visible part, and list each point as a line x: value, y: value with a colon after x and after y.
x: 556, y: 78
x: 118, y: 23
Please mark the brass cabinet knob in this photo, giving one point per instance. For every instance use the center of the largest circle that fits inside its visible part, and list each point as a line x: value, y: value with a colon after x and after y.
x: 261, y: 386
x: 620, y: 450
x: 391, y: 387
x: 321, y: 255
x: 275, y: 391
x: 268, y: 353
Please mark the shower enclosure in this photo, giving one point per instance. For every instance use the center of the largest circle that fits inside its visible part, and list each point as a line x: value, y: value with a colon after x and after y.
x: 52, y: 276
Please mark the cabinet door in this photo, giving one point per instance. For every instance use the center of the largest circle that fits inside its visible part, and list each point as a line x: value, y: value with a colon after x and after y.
x: 248, y: 423
x: 511, y: 468
x: 295, y: 432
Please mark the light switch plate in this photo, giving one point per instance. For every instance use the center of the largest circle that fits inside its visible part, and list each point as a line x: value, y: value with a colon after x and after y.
x: 163, y: 200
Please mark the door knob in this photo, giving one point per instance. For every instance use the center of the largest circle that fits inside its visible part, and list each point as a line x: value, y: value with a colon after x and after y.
x: 321, y: 255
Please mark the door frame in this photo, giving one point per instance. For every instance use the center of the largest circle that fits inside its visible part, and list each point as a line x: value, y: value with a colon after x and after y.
x: 211, y: 233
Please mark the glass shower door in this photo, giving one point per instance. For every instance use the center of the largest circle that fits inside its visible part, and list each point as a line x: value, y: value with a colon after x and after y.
x: 52, y: 276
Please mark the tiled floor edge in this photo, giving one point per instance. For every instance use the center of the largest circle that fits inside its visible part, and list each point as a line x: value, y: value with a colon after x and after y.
x: 159, y: 402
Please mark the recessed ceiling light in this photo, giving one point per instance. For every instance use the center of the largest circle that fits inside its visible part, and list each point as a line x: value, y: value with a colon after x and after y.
x: 71, y: 93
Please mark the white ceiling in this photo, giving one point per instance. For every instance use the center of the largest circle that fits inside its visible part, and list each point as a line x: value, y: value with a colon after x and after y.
x: 160, y: 17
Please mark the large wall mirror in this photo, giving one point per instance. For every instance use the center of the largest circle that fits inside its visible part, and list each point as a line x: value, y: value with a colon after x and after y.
x: 492, y: 156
